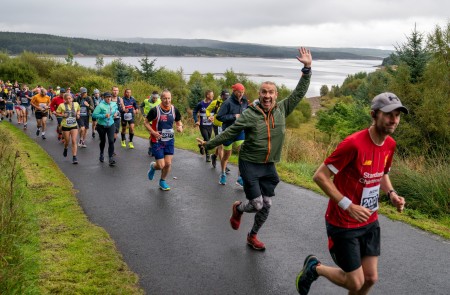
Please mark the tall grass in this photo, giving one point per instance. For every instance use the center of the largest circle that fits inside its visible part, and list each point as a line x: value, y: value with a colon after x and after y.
x: 13, y: 234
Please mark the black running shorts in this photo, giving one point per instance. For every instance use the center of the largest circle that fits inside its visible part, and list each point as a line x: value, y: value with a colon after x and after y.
x: 83, y: 122
x: 260, y: 179
x: 348, y: 246
x: 40, y: 115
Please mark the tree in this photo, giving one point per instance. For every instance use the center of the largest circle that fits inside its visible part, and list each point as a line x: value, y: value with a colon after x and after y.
x: 123, y: 74
x: 324, y: 90
x: 147, y: 71
x: 195, y: 95
x: 413, y: 54
x: 69, y: 58
x: 99, y: 62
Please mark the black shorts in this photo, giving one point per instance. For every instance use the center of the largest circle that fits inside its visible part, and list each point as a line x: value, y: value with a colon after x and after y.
x: 260, y: 179
x: 40, y: 115
x: 348, y: 246
x: 83, y: 122
x: 124, y: 122
x: 68, y: 128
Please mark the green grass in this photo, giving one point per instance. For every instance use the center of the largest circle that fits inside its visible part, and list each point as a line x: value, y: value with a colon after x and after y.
x: 64, y: 252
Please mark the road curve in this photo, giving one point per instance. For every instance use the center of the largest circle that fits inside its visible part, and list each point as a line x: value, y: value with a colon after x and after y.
x: 180, y: 241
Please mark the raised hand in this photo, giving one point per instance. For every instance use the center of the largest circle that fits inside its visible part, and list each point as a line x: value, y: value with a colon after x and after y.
x: 304, y: 56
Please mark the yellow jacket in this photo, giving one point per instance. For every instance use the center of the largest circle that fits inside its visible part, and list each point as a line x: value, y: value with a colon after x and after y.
x: 213, y: 109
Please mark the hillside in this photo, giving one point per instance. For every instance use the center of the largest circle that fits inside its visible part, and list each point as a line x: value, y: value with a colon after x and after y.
x: 15, y: 43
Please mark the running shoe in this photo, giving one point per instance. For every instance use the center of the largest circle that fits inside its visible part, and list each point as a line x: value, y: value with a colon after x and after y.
x: 240, y: 182
x: 163, y: 185
x: 59, y: 137
x: 214, y: 160
x: 74, y: 160
x: 83, y: 144
x: 80, y: 143
x: 101, y: 158
x: 25, y: 126
x: 131, y: 145
x: 65, y: 152
x: 37, y: 132
x: 256, y: 244
x: 151, y: 171
x: 235, y: 219
x: 43, y: 137
x: 112, y: 162
x: 307, y: 275
x: 202, y: 149
x: 223, y: 179
x: 123, y: 143
x: 227, y: 171
x: 208, y: 158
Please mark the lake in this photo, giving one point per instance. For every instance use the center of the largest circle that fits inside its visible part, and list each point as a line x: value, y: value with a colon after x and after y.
x: 280, y: 71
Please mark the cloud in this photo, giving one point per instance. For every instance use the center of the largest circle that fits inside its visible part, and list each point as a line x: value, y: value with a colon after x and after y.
x: 329, y: 23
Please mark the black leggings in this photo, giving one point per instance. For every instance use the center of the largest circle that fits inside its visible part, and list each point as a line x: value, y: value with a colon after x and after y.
x: 102, y: 132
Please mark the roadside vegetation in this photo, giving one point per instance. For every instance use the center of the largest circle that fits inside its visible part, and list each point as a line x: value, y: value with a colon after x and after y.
x: 48, y: 246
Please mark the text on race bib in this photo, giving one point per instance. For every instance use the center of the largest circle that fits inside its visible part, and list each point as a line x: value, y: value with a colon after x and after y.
x: 369, y: 197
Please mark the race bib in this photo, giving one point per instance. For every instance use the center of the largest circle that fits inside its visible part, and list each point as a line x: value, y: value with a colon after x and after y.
x: 116, y: 114
x: 71, y: 121
x: 205, y: 120
x: 219, y: 129
x: 24, y: 100
x: 83, y: 111
x: 43, y: 106
x: 128, y: 116
x: 369, y: 197
x: 167, y: 134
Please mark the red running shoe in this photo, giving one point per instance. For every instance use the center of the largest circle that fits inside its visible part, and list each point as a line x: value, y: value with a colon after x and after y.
x: 256, y: 244
x: 235, y: 219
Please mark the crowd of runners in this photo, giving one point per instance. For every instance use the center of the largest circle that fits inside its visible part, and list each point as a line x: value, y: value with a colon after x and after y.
x: 351, y: 176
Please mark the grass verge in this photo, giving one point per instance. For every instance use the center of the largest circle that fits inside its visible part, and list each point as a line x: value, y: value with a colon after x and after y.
x: 63, y: 252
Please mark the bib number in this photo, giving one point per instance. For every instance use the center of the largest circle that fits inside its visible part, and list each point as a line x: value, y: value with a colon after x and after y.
x: 128, y: 116
x: 167, y: 134
x: 71, y: 121
x: 83, y: 111
x: 205, y: 120
x: 369, y: 197
x: 24, y: 100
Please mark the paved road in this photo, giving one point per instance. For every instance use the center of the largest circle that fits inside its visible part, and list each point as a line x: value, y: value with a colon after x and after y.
x: 180, y: 242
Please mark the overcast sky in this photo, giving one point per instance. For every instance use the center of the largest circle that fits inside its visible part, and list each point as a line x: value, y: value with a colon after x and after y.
x: 320, y: 23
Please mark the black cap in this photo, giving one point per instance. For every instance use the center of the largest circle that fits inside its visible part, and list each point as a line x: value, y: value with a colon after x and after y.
x: 224, y: 91
x: 107, y: 94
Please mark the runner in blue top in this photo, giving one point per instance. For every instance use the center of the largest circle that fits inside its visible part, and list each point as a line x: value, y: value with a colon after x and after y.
x: 159, y: 123
x: 96, y: 99
x: 129, y: 110
x: 205, y: 125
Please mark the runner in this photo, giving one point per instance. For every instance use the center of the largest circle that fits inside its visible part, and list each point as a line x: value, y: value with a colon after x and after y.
x: 104, y: 114
x: 211, y: 113
x: 41, y: 103
x: 148, y: 104
x: 230, y: 110
x: 96, y: 99
x: 129, y: 111
x: 56, y: 101
x: 359, y: 167
x: 86, y: 108
x: 264, y: 125
x: 115, y: 98
x: 3, y: 95
x: 161, y: 132
x: 204, y: 124
x: 10, y: 99
x: 23, y: 103
x: 70, y: 112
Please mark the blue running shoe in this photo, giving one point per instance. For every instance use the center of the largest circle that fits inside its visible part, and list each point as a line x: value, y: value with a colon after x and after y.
x: 223, y: 179
x: 151, y: 171
x: 307, y: 275
x: 240, y: 182
x: 163, y: 185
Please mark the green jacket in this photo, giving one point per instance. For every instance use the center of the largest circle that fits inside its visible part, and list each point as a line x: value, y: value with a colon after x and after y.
x: 264, y: 132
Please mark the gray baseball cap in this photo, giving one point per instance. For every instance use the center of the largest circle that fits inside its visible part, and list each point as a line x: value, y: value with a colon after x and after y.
x: 83, y: 90
x: 387, y: 102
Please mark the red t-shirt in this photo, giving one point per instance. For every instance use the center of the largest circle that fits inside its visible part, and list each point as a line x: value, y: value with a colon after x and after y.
x: 358, y: 166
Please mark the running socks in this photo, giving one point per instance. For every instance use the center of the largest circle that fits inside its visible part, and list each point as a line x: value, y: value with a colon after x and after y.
x: 123, y: 136
x: 131, y: 136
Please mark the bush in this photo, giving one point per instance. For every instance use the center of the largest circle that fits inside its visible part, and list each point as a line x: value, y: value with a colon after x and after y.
x: 68, y: 75
x: 43, y: 64
x: 92, y: 82
x: 16, y: 69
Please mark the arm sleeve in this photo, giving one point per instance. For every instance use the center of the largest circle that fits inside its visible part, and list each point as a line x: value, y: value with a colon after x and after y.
x: 195, y: 112
x: 223, y: 115
x: 96, y: 114
x: 289, y: 104
x: 210, y: 108
x: 231, y: 132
